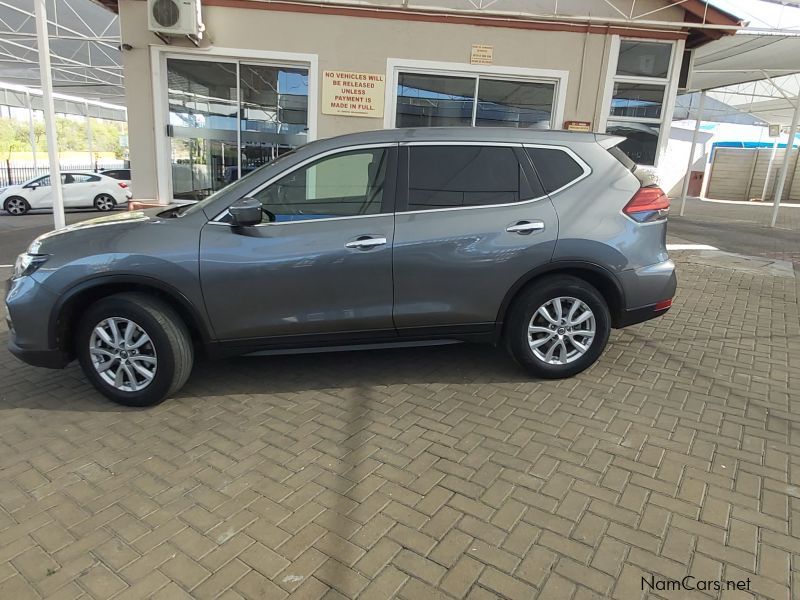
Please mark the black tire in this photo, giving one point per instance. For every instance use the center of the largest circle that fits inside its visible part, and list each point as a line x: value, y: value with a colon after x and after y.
x: 538, y: 294
x: 19, y: 201
x: 105, y: 202
x: 169, y: 336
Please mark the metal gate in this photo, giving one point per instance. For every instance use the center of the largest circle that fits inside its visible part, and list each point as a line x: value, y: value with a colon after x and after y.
x: 738, y: 174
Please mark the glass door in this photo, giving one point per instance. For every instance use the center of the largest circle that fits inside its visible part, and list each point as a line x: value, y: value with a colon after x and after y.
x: 226, y: 118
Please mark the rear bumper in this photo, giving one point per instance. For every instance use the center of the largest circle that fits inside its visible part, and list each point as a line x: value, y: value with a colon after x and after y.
x: 645, y: 289
x: 639, y: 315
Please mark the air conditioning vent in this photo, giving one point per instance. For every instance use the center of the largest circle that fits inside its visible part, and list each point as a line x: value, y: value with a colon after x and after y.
x: 175, y: 17
x: 166, y: 13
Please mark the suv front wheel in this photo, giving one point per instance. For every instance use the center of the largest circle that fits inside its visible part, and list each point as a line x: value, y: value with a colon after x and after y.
x: 134, y: 348
x: 558, y: 326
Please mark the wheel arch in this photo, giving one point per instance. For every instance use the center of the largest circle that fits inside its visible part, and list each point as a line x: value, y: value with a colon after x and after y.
x: 601, y: 278
x: 74, y: 302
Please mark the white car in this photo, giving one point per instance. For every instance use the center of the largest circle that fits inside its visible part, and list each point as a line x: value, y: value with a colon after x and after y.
x: 79, y: 190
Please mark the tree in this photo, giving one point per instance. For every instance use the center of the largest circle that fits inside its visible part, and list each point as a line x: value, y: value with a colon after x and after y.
x: 71, y: 134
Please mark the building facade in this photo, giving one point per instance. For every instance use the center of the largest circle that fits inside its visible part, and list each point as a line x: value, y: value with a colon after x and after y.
x: 268, y: 76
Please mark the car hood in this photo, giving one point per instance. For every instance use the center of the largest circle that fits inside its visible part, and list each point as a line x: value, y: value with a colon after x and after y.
x: 9, y: 188
x: 116, y: 220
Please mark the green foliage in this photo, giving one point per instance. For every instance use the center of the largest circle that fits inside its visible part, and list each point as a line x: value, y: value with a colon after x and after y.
x: 71, y: 136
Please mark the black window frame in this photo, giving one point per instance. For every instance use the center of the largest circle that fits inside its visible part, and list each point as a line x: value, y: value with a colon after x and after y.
x: 528, y: 182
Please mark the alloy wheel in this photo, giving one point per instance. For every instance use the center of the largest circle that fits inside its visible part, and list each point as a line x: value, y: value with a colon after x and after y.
x: 561, y: 330
x: 16, y: 206
x: 104, y: 202
x: 123, y: 354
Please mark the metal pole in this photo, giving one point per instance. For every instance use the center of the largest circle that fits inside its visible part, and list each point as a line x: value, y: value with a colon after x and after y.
x: 785, y: 167
x: 49, y: 111
x: 89, y: 135
x: 769, y: 168
x: 688, y: 175
x: 31, y: 132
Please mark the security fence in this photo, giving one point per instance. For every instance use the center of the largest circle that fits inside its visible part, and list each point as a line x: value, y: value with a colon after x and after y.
x: 12, y: 173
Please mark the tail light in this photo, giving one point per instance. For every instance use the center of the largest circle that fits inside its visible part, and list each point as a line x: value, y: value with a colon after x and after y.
x: 647, y: 205
x: 122, y: 184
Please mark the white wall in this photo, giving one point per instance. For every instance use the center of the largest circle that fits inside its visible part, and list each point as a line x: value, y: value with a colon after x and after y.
x: 671, y: 171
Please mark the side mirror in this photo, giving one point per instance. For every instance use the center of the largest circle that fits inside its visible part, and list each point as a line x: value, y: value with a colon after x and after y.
x: 245, y: 212
x: 32, y: 186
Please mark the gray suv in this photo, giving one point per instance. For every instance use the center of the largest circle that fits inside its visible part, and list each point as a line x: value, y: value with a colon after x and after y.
x: 538, y: 240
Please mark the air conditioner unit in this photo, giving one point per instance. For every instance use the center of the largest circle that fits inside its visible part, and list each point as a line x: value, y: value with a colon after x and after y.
x: 175, y: 17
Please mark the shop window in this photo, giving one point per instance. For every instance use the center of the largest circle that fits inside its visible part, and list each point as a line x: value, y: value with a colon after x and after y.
x: 228, y: 117
x: 644, y: 59
x: 640, y: 88
x: 432, y: 100
x: 514, y: 103
x: 640, y: 100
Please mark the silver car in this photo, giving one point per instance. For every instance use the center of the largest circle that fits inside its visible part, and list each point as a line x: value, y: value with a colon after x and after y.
x: 538, y: 240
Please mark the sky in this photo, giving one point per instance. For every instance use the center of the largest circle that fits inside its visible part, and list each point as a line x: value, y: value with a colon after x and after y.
x: 761, y: 13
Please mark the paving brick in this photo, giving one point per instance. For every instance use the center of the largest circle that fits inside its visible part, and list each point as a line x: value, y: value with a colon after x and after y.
x: 101, y: 582
x: 382, y: 475
x: 506, y: 586
x: 609, y: 556
x: 557, y: 588
x: 460, y: 578
x: 184, y: 571
x: 537, y: 565
x: 419, y: 566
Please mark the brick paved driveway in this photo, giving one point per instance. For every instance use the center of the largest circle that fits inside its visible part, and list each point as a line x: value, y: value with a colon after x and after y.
x: 438, y: 472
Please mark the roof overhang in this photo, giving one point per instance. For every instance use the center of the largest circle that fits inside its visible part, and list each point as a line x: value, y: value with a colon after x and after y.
x: 702, y: 22
x: 743, y: 58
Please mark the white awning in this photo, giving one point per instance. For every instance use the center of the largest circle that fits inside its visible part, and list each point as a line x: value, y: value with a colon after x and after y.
x: 757, y: 74
x: 744, y: 57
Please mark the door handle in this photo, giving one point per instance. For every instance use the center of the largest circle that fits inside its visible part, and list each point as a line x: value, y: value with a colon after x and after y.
x: 525, y: 227
x: 366, y: 242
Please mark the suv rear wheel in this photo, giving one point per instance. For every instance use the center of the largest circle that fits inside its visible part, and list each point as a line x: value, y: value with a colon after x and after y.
x: 134, y: 348
x: 558, y: 327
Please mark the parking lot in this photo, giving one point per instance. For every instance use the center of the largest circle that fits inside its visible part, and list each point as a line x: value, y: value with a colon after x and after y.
x: 427, y: 473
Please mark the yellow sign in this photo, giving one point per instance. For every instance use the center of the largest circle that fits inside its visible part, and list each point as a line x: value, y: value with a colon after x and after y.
x: 774, y: 131
x: 481, y: 54
x: 353, y: 94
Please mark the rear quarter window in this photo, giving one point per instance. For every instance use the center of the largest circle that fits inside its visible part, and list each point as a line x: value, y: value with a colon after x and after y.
x: 555, y: 168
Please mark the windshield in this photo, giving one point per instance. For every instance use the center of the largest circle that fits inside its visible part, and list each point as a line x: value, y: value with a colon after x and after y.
x: 242, y: 183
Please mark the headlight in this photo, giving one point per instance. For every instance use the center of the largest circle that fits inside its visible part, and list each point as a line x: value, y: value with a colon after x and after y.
x: 27, y: 263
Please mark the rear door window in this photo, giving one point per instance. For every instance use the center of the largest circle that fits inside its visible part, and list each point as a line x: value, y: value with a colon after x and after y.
x: 452, y: 176
x: 555, y: 167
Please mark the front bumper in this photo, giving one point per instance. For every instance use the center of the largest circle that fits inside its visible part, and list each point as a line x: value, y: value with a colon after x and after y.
x: 49, y: 359
x: 29, y: 306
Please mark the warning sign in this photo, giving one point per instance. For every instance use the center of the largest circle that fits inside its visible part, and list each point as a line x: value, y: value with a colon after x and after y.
x: 481, y: 54
x: 353, y: 94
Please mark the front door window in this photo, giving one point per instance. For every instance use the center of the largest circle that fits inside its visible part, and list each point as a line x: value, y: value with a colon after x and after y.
x: 348, y: 184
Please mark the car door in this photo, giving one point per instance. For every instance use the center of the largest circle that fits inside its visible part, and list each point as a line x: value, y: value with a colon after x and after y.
x: 471, y: 221
x: 39, y: 192
x: 75, y: 190
x: 319, y: 267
